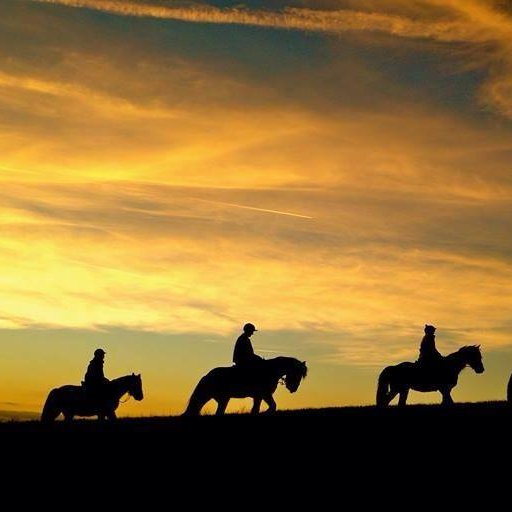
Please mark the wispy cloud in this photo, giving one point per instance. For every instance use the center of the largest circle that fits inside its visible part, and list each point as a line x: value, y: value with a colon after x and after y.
x: 204, y: 271
x: 473, y: 22
x: 332, y: 21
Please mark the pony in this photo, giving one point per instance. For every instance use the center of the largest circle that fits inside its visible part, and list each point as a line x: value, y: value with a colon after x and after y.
x: 258, y: 382
x: 73, y: 401
x: 442, y: 377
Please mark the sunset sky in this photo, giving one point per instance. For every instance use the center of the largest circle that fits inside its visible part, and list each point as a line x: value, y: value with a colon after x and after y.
x: 337, y: 172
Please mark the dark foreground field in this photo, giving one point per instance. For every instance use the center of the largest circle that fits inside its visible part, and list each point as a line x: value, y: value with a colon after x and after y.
x: 327, y: 451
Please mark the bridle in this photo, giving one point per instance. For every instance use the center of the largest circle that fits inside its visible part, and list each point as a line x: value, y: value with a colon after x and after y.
x: 127, y: 398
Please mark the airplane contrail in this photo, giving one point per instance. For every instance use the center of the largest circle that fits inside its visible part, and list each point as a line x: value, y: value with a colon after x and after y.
x: 253, y: 208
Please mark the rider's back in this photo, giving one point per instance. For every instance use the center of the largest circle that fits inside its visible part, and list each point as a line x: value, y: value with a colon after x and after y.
x: 243, y: 352
x: 428, y: 352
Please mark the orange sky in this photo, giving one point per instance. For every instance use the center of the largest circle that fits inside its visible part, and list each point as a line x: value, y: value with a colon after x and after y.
x: 336, y: 172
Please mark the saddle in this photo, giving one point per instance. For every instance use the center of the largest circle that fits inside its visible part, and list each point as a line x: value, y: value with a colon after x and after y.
x: 431, y: 370
x: 94, y: 393
x: 249, y: 373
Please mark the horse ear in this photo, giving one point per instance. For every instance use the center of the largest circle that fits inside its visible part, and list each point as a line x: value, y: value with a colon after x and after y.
x: 478, y: 346
x: 138, y: 375
x: 304, y: 363
x: 133, y: 374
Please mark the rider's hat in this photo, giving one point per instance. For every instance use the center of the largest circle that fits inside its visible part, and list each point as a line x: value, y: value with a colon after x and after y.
x: 429, y: 328
x: 99, y: 352
x: 249, y: 327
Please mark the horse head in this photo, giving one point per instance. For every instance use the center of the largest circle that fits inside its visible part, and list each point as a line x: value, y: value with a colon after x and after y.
x: 135, y: 387
x: 472, y: 356
x: 294, y: 375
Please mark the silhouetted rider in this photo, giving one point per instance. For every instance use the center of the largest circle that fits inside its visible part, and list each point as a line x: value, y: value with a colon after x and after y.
x: 429, y: 355
x: 94, y: 380
x: 243, y: 355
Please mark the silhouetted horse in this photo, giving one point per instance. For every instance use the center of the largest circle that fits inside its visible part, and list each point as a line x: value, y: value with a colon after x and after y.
x: 258, y: 382
x: 441, y: 377
x: 73, y: 400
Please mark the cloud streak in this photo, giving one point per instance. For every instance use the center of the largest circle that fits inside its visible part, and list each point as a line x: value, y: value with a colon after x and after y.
x: 470, y: 22
x: 333, y: 21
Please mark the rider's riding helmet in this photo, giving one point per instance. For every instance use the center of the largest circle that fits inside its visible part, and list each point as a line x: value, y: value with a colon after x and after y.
x: 99, y: 352
x: 249, y: 328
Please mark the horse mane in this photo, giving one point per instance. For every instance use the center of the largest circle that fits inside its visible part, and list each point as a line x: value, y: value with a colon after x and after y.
x: 466, y: 350
x: 463, y: 351
x: 469, y: 348
x: 123, y: 378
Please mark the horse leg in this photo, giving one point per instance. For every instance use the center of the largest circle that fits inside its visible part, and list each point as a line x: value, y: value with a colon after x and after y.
x: 447, y: 397
x: 112, y: 416
x: 256, y: 405
x: 272, y: 406
x: 391, y: 396
x: 68, y: 417
x: 222, y: 403
x: 403, y: 397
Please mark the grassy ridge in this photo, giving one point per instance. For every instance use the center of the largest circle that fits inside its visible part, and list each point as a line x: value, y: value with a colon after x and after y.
x: 325, y: 422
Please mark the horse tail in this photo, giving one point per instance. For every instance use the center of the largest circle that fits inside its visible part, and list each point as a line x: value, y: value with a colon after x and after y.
x: 383, y: 387
x: 51, y: 409
x: 201, y: 395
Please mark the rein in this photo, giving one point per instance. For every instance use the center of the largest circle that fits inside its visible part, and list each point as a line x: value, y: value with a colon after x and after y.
x: 127, y: 398
x: 125, y: 393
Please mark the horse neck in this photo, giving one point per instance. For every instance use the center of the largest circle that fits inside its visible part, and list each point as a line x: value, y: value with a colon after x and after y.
x: 457, y: 361
x: 120, y: 386
x: 280, y: 365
